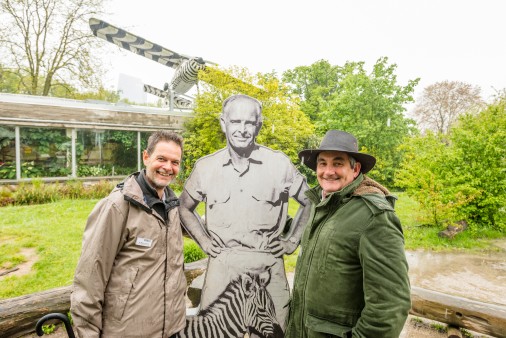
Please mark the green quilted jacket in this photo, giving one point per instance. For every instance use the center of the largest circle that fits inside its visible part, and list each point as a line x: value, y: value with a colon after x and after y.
x: 351, y: 276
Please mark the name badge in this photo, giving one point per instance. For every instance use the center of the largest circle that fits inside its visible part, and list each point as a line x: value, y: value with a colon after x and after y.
x: 143, y: 242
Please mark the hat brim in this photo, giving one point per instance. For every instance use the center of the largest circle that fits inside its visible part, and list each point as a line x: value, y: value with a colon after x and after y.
x: 309, y: 156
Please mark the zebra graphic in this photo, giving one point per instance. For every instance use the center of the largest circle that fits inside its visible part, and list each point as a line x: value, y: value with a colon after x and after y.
x: 244, y: 307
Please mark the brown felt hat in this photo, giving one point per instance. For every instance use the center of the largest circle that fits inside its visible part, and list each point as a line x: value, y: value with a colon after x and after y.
x: 337, y: 140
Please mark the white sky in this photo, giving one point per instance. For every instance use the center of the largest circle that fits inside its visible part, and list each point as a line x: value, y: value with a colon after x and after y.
x: 436, y: 40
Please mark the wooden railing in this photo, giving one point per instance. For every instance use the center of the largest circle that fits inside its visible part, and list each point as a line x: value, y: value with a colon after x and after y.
x: 18, y: 316
x: 459, y: 312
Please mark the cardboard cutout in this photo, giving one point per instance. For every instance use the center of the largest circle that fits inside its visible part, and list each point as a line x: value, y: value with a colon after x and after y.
x: 246, y: 188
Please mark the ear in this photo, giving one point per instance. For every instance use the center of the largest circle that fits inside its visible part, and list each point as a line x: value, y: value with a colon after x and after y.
x: 222, y: 124
x: 356, y: 171
x: 247, y: 284
x: 265, y: 277
x: 145, y: 157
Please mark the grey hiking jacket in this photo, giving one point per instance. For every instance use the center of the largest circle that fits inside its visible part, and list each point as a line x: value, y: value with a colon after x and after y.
x: 129, y: 281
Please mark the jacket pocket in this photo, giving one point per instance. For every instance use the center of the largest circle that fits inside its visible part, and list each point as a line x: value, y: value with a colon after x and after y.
x: 319, y: 325
x: 115, y: 302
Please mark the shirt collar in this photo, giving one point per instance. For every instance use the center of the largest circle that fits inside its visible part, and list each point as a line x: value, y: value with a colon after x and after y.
x: 255, y: 156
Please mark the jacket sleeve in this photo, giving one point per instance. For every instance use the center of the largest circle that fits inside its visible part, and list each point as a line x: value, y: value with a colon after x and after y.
x: 102, y: 240
x: 385, y: 278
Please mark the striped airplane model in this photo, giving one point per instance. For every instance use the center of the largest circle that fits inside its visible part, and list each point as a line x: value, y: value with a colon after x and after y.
x: 186, y: 67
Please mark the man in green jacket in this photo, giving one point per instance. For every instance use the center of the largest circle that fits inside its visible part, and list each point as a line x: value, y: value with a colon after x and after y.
x: 351, y: 278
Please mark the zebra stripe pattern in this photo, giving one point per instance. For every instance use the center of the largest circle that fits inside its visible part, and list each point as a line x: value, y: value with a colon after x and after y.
x: 244, y: 306
x: 180, y: 102
x: 136, y: 44
x: 186, y: 75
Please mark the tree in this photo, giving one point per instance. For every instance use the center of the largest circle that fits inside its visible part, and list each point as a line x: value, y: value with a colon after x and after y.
x: 314, y: 85
x: 423, y: 175
x: 443, y: 102
x: 479, y: 141
x: 100, y: 94
x: 370, y: 106
x: 285, y: 126
x: 9, y: 81
x: 461, y: 175
x: 48, y: 43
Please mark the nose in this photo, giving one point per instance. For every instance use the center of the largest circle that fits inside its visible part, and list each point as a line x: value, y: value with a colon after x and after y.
x: 168, y: 166
x: 242, y: 128
x: 329, y: 170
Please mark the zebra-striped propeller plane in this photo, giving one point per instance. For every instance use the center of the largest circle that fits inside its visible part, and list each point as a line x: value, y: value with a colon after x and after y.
x: 186, y: 67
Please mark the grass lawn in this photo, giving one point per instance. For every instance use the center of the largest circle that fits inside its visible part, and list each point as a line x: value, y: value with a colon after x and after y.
x: 418, y: 236
x: 54, y: 231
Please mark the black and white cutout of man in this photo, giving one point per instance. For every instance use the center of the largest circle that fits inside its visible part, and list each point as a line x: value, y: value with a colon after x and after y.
x: 246, y: 188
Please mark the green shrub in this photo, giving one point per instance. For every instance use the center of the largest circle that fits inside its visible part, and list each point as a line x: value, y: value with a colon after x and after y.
x: 460, y: 176
x: 88, y: 170
x: 192, y: 252
x: 38, y: 192
x: 100, y: 189
x: 6, y: 196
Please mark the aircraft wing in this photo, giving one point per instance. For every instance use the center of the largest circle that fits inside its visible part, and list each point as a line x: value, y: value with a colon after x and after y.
x: 180, y: 100
x: 155, y: 91
x: 136, y: 44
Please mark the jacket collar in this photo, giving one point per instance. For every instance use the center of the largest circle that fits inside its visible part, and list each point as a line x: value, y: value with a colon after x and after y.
x: 136, y: 190
x: 151, y: 195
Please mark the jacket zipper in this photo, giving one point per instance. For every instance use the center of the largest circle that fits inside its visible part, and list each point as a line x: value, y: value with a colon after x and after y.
x: 165, y: 282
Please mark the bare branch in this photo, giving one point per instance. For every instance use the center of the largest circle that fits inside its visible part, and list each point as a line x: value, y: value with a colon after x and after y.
x: 443, y: 102
x: 48, y: 42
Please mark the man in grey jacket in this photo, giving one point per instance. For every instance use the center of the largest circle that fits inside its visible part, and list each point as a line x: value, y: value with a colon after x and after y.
x: 129, y: 281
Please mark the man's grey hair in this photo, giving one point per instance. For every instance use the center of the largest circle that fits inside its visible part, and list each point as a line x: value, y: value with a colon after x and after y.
x: 163, y: 135
x: 233, y: 98
x: 353, y: 161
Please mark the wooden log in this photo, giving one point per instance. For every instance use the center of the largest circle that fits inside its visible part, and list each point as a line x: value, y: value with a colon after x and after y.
x: 454, y: 332
x: 19, y: 315
x: 460, y: 312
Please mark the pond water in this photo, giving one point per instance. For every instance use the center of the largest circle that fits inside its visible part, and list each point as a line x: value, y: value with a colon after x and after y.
x: 478, y: 276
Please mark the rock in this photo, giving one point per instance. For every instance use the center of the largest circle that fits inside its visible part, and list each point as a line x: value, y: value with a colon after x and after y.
x: 195, y: 290
x: 453, y: 229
